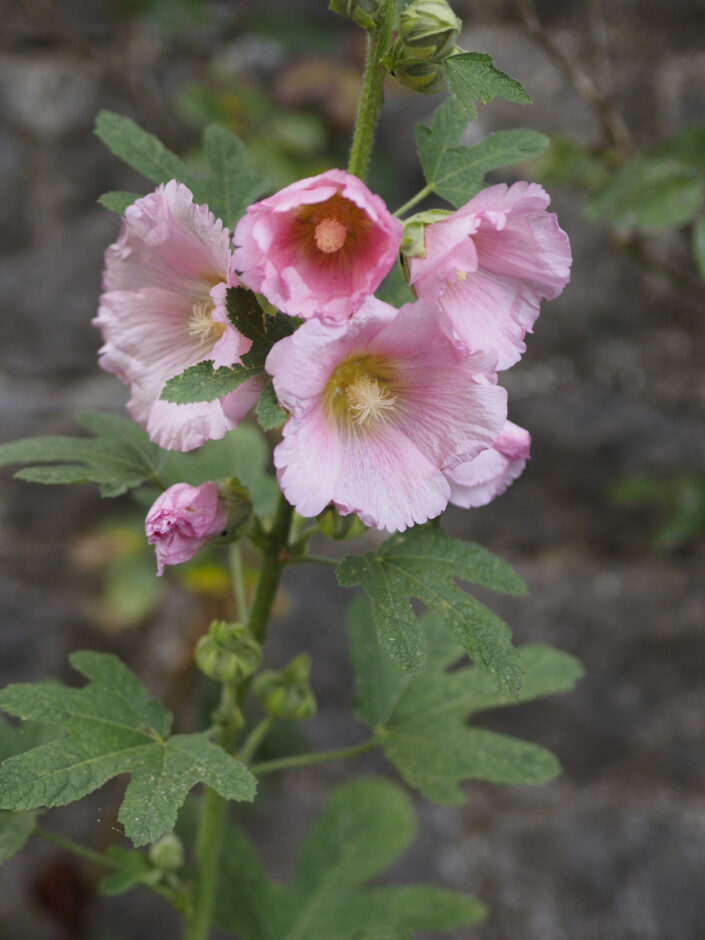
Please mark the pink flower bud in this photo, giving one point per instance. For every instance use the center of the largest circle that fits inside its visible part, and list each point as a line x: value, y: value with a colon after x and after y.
x: 182, y: 520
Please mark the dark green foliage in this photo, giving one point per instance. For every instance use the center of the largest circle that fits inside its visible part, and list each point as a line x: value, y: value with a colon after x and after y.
x: 113, y: 728
x: 422, y: 562
x: 421, y: 720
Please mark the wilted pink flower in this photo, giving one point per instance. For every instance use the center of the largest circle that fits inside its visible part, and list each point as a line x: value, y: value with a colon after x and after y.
x: 163, y: 309
x: 182, y: 520
x: 491, y: 264
x: 477, y: 482
x: 317, y: 247
x: 380, y: 406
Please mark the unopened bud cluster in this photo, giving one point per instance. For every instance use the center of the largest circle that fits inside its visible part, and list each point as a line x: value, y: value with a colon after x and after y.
x: 228, y: 652
x: 427, y: 33
x: 286, y: 693
x: 363, y: 12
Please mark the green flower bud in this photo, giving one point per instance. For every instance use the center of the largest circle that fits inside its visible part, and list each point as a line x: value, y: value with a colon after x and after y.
x: 228, y: 652
x: 239, y: 509
x: 287, y: 693
x: 362, y: 11
x: 428, y: 29
x: 427, y: 77
x: 168, y: 853
x: 335, y: 526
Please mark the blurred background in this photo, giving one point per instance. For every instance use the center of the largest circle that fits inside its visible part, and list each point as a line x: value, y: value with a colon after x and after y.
x: 606, y: 525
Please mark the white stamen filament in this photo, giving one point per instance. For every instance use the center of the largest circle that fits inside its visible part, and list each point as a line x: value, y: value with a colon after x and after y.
x: 202, y: 326
x: 367, y: 399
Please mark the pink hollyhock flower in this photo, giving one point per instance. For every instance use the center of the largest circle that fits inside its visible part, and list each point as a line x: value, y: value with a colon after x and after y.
x: 163, y: 309
x: 317, y: 247
x: 182, y: 520
x: 380, y: 407
x: 491, y: 263
x: 477, y: 482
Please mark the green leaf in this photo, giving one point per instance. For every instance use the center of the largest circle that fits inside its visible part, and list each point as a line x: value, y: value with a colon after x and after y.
x: 457, y: 173
x: 204, y: 383
x: 269, y: 412
x: 135, y: 869
x: 688, y: 147
x: 421, y: 720
x: 699, y: 244
x: 145, y: 153
x: 16, y: 828
x: 472, y: 76
x: 363, y: 828
x: 242, y: 453
x: 119, y: 457
x: 421, y: 563
x: 113, y: 728
x: 118, y: 201
x: 233, y: 184
x: 264, y: 329
x: 650, y: 193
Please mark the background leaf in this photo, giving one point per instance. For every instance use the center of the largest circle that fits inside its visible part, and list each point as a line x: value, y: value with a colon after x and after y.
x: 699, y: 244
x: 113, y: 728
x: 421, y: 563
x: 363, y: 828
x: 650, y: 193
x: 146, y: 153
x: 420, y: 720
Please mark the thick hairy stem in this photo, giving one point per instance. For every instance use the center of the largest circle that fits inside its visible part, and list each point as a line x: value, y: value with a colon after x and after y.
x: 371, y: 96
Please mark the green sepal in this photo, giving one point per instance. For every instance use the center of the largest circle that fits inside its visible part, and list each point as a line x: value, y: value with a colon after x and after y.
x: 413, y: 243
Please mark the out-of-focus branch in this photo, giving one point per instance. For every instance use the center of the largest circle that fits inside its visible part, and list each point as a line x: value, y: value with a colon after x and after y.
x: 600, y: 99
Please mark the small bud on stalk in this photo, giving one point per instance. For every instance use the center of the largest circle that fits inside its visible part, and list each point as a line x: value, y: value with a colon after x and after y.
x: 228, y: 652
x: 287, y: 694
x: 428, y: 29
x: 168, y: 853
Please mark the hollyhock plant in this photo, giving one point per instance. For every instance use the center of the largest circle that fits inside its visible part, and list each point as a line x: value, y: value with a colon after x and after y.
x: 317, y: 247
x: 491, y: 263
x: 380, y: 407
x: 477, y: 482
x: 163, y: 309
x: 182, y: 519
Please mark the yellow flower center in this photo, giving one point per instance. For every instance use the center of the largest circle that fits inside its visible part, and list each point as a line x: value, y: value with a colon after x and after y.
x: 330, y: 235
x: 461, y: 275
x: 362, y: 391
x: 201, y: 325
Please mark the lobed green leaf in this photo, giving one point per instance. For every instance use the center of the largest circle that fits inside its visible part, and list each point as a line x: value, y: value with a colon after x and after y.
x: 202, y: 382
x: 269, y: 412
x: 473, y: 76
x: 420, y: 720
x: 422, y: 563
x: 113, y: 728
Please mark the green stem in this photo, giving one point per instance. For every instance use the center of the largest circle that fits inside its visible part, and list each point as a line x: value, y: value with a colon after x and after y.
x: 208, y: 844
x: 421, y: 194
x: 254, y: 739
x: 273, y: 564
x: 303, y: 760
x: 238, y: 581
x: 371, y: 96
